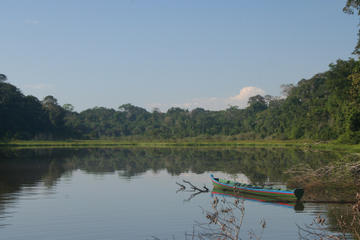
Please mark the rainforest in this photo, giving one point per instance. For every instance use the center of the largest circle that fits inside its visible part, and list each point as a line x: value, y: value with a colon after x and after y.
x: 322, y: 108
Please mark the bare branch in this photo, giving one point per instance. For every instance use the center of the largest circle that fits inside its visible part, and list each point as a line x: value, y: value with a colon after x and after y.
x: 182, y: 187
x: 195, y: 188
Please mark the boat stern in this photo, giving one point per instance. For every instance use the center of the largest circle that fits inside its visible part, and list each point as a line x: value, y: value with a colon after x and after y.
x: 299, y: 192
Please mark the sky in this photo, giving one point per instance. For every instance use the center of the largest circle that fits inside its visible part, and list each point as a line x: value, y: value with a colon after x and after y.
x: 168, y: 53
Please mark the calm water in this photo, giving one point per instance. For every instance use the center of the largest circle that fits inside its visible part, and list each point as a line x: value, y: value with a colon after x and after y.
x: 131, y: 193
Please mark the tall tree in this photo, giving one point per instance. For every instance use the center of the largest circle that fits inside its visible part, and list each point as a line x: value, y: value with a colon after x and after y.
x: 351, y: 7
x: 55, y: 112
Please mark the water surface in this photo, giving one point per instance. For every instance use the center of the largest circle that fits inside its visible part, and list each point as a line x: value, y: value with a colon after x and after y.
x: 131, y: 193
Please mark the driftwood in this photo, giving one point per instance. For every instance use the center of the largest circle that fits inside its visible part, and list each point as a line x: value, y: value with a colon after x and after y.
x: 182, y: 187
x: 196, y: 190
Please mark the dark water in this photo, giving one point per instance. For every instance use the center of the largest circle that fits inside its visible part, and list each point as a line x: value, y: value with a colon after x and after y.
x: 131, y: 193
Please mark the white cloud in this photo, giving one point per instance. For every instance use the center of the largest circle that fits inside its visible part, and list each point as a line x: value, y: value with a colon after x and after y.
x: 246, y: 93
x: 215, y: 103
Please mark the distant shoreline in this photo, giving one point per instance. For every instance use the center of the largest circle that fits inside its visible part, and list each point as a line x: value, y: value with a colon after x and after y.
x: 303, y: 144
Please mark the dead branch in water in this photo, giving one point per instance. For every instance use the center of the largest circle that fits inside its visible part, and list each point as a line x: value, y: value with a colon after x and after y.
x: 195, y: 188
x: 182, y: 187
x: 192, y: 196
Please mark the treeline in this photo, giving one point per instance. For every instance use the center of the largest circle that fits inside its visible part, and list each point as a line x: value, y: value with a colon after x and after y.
x: 324, y: 107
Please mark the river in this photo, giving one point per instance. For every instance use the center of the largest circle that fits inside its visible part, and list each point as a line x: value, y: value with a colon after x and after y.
x: 131, y: 193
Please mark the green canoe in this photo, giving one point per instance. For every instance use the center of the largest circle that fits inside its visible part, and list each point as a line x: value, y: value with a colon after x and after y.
x: 285, y: 195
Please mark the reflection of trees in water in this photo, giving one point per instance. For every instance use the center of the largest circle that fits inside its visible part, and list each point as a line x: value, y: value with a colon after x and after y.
x: 333, y: 213
x: 29, y: 166
x: 257, y: 164
x: 344, y: 218
x: 19, y: 168
x: 339, y: 222
x: 24, y: 168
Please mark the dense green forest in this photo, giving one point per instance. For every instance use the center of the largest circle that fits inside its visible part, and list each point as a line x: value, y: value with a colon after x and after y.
x: 324, y: 107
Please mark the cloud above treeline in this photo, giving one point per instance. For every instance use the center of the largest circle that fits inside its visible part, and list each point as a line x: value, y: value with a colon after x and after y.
x: 215, y: 103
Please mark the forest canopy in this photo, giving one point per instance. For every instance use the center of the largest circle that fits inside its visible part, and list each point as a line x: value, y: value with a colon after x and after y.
x: 324, y: 107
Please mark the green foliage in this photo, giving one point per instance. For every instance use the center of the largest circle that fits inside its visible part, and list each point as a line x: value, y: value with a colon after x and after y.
x: 3, y: 78
x: 68, y: 107
x: 20, y: 116
x: 324, y: 107
x: 351, y: 7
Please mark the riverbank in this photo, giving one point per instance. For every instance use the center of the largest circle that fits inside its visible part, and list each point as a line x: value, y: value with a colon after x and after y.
x: 303, y: 144
x: 339, y: 181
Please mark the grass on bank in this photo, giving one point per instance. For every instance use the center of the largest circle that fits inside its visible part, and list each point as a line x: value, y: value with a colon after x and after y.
x: 183, y: 143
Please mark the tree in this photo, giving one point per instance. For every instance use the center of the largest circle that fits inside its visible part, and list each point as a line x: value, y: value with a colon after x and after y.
x: 286, y: 89
x: 257, y: 103
x: 68, y: 107
x: 55, y: 112
x: 49, y: 100
x: 3, y: 77
x: 350, y: 7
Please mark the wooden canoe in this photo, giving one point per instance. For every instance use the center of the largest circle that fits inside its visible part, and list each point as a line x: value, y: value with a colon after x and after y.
x: 298, y: 205
x: 285, y: 195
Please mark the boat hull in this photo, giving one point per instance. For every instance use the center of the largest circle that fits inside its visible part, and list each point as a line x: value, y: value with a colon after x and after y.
x: 284, y: 195
x: 296, y: 205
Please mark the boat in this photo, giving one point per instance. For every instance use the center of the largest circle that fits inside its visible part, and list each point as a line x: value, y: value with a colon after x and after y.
x: 268, y: 191
x: 298, y: 205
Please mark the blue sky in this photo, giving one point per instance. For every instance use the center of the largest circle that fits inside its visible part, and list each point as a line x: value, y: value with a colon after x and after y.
x: 163, y: 53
